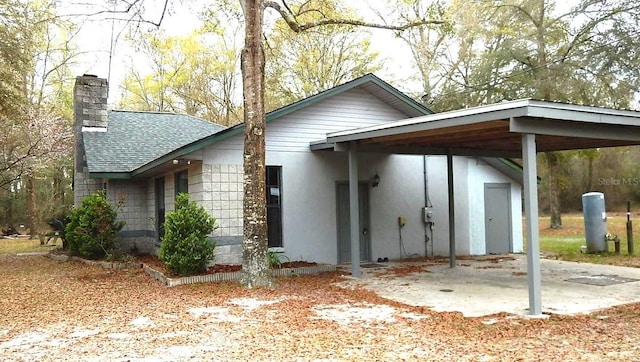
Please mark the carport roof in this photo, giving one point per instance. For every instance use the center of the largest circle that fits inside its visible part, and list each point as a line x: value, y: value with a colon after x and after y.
x: 510, y: 129
x: 495, y: 130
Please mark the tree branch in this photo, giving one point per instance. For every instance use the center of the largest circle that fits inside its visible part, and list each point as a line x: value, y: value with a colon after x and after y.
x: 296, y: 27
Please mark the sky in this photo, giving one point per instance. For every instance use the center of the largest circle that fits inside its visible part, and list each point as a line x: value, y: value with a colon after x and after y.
x: 100, y: 59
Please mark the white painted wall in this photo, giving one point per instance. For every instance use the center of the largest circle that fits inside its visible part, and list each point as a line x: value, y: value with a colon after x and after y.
x: 481, y: 173
x: 309, y: 185
x: 470, y: 175
x: 400, y: 193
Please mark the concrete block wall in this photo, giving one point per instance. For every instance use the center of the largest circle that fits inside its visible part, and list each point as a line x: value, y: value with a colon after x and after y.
x: 195, y: 183
x: 228, y: 254
x: 130, y: 200
x: 222, y: 197
x: 222, y: 193
x: 151, y: 213
x: 84, y: 186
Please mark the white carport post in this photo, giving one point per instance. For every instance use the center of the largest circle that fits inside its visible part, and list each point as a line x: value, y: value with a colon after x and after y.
x: 354, y: 212
x: 531, y: 213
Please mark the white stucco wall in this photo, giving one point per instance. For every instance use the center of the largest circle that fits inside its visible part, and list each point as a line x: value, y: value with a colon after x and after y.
x: 479, y: 174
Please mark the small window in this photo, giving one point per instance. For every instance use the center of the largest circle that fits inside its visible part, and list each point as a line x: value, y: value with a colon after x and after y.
x: 274, y: 205
x: 182, y: 182
x: 160, y: 210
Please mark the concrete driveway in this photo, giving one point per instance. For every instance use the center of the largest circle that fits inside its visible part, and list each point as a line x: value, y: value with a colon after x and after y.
x: 482, y: 286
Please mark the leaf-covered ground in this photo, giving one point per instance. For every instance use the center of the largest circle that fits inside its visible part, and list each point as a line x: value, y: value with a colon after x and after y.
x: 72, y: 311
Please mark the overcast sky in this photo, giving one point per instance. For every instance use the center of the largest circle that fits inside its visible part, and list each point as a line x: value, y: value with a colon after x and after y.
x: 97, y: 31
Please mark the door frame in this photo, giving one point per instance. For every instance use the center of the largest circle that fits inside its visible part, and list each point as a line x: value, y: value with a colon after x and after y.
x: 505, y: 186
x: 362, y: 185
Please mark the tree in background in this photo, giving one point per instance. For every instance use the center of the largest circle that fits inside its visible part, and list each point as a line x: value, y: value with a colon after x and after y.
x: 533, y: 49
x: 35, y: 132
x: 299, y: 65
x: 194, y: 74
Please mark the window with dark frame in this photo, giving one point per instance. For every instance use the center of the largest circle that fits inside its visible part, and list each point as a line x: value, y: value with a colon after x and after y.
x: 160, y: 210
x: 274, y: 205
x: 181, y: 182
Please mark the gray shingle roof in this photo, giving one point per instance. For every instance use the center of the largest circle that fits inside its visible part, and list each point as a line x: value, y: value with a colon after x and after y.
x: 135, y: 138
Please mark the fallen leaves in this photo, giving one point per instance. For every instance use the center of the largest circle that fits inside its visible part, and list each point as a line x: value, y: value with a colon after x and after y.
x: 72, y: 311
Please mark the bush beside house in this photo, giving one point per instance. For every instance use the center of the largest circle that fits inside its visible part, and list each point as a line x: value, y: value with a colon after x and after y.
x: 92, y: 230
x: 186, y: 247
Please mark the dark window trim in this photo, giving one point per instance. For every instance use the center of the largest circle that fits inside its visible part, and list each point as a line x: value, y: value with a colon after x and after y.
x: 275, y: 237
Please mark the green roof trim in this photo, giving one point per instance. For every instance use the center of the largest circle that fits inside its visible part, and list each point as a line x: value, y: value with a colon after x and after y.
x: 514, y: 166
x: 111, y: 175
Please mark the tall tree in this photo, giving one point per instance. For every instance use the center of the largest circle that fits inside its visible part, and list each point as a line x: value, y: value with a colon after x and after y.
x: 254, y: 248
x: 35, y: 133
x: 533, y: 48
x: 193, y: 74
x: 302, y: 64
x: 253, y: 62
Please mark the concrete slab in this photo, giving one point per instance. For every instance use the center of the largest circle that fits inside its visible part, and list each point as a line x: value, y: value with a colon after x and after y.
x: 482, y: 286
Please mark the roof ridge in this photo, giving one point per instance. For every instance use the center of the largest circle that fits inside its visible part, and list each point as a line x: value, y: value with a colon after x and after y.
x: 168, y: 114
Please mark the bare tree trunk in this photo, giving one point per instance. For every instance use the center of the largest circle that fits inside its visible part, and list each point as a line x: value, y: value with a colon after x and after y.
x: 590, y: 175
x: 31, y: 204
x: 58, y: 192
x: 553, y: 165
x: 254, y: 254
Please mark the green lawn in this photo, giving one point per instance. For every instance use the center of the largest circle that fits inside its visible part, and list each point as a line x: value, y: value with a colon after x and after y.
x: 566, y: 243
x: 26, y: 245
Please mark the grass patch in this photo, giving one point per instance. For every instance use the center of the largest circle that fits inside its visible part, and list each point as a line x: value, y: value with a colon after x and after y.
x: 565, y: 243
x: 26, y: 245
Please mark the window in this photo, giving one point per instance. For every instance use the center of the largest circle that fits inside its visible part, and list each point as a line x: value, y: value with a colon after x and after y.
x: 274, y: 205
x: 160, y: 211
x: 181, y: 182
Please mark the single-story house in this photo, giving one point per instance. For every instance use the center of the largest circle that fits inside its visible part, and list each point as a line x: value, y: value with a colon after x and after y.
x: 143, y: 159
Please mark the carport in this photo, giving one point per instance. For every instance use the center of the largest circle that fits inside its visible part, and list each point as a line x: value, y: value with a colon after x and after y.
x: 515, y: 129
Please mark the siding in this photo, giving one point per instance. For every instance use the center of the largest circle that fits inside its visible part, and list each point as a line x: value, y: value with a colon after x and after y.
x: 293, y: 132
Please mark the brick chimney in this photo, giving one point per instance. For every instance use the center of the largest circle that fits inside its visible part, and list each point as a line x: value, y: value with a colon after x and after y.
x: 90, y: 115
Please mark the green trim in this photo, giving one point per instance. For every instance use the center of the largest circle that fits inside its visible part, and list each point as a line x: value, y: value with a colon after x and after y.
x: 281, y: 112
x: 515, y: 166
x: 511, y: 164
x: 110, y: 175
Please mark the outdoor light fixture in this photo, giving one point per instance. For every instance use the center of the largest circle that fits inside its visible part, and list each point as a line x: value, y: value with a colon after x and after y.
x: 181, y: 161
x: 375, y: 180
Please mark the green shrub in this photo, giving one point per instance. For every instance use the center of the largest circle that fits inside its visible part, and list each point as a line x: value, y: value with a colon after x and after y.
x: 274, y: 259
x: 186, y: 247
x: 92, y: 230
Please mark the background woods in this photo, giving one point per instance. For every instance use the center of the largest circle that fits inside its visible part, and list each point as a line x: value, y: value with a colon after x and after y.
x: 457, y: 54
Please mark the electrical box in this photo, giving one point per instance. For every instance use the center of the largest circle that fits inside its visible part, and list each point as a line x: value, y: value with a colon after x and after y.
x: 402, y: 221
x: 427, y: 214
